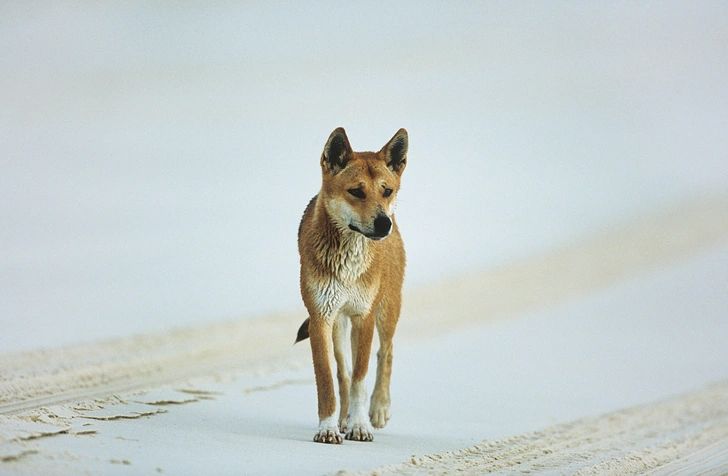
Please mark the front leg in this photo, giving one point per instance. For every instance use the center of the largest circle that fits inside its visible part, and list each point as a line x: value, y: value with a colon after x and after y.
x: 343, y: 372
x: 320, y: 334
x: 362, y: 333
x: 379, y: 413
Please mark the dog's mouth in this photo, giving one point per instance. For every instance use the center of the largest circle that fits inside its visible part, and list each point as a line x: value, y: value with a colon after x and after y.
x: 371, y: 236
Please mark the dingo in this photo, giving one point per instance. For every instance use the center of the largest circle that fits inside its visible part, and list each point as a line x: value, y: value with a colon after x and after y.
x: 352, y: 268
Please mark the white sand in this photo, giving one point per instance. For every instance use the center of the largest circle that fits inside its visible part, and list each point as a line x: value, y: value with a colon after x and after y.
x: 685, y: 435
x: 632, y: 316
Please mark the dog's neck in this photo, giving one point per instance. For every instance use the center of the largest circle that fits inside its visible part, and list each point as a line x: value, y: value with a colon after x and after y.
x: 345, y: 254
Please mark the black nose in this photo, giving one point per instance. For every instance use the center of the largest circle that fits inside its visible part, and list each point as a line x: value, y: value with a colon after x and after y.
x: 382, y: 225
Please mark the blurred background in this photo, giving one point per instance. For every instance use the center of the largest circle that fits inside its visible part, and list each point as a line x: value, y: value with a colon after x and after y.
x: 155, y: 159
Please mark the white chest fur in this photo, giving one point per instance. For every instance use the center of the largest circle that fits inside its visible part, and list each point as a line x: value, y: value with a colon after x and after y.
x: 342, y: 291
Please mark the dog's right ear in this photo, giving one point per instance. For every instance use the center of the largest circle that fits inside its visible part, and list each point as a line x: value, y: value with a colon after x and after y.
x: 337, y: 151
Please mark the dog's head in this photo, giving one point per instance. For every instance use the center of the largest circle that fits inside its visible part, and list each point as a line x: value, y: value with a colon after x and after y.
x: 360, y: 188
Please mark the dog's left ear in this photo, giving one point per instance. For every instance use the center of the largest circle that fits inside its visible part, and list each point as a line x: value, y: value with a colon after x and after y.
x: 395, y: 152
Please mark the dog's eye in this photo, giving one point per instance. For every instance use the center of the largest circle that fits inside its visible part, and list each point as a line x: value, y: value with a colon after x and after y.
x: 357, y: 192
x: 387, y: 192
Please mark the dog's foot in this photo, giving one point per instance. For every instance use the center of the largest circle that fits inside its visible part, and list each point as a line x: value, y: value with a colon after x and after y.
x: 379, y: 413
x: 328, y: 432
x: 343, y: 424
x: 360, y: 432
x: 328, y: 436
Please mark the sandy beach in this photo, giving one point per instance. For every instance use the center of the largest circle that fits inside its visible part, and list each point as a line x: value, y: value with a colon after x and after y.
x: 616, y: 366
x: 564, y: 212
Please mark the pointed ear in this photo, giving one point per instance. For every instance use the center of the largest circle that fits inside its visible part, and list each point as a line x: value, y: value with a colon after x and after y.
x: 337, y: 151
x: 395, y: 152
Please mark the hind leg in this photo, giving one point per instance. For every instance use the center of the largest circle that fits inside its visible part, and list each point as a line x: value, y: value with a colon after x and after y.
x: 343, y: 373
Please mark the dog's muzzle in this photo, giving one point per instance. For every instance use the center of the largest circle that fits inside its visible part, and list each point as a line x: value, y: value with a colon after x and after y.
x: 382, y: 228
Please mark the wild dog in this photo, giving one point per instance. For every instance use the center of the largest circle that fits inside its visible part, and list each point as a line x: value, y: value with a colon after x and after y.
x: 352, y: 268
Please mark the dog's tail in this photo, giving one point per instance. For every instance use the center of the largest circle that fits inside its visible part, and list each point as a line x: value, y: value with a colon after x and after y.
x: 302, y: 332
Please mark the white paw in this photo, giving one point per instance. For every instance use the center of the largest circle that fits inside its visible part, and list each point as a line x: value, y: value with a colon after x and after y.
x: 360, y: 432
x: 343, y: 424
x: 328, y: 432
x: 379, y: 414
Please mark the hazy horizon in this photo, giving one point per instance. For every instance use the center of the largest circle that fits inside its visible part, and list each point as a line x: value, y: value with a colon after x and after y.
x: 156, y: 160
